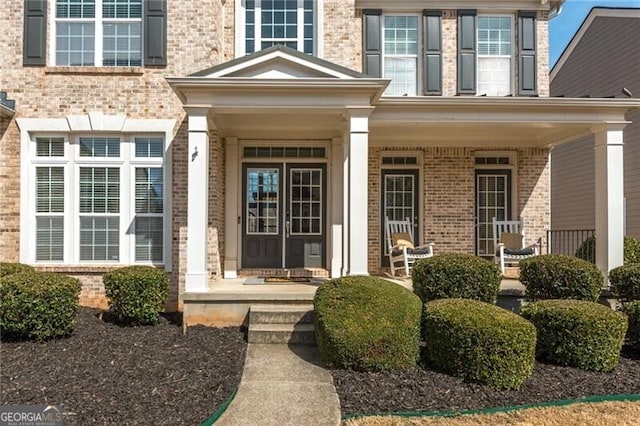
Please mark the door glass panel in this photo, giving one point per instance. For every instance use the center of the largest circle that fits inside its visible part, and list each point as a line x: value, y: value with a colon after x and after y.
x: 263, y: 201
x: 306, y: 201
x: 492, y: 195
x: 399, y: 198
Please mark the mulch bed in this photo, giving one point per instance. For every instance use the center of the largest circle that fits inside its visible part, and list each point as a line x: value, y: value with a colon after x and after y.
x: 107, y: 374
x: 421, y: 389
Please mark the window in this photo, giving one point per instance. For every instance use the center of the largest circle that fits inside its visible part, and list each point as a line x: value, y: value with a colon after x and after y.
x: 98, y: 33
x: 279, y: 22
x: 494, y: 55
x: 400, y: 54
x: 99, y: 199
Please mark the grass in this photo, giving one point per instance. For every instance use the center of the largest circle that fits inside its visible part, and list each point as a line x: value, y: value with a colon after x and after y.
x: 619, y: 413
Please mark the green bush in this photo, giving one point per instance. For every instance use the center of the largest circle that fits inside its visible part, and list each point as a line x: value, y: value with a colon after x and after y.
x: 38, y: 306
x: 136, y: 294
x: 587, y: 250
x: 13, y: 268
x: 367, y: 323
x: 555, y: 276
x: 625, y: 282
x: 632, y: 310
x: 479, y: 342
x: 456, y: 275
x: 577, y: 333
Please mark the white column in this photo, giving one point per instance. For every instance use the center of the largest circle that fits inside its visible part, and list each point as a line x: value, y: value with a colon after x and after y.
x: 345, y: 205
x: 358, y: 146
x: 609, y: 175
x: 231, y: 213
x: 197, y: 275
x: 336, y: 191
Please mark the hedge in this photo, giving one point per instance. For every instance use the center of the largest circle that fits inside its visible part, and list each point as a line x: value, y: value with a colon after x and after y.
x: 367, y: 323
x: 136, y: 294
x: 625, y: 282
x: 13, y: 268
x: 556, y: 276
x: 577, y: 333
x: 479, y: 342
x: 38, y: 306
x: 456, y: 275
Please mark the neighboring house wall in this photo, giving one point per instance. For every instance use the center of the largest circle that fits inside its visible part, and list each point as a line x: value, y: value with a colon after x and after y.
x: 603, y: 62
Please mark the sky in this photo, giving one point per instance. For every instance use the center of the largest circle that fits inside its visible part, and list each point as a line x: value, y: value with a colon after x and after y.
x: 563, y: 27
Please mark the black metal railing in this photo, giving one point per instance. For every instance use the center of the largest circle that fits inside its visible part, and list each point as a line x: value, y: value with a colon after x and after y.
x: 566, y: 241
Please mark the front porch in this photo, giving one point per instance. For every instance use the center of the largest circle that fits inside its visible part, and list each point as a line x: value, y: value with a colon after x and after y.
x: 228, y: 301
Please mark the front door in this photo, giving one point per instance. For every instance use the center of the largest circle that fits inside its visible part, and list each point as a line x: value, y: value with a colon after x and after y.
x: 399, y: 201
x: 493, y: 199
x: 283, y: 215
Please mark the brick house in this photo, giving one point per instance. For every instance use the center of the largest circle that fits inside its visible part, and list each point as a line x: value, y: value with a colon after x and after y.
x: 224, y: 138
x: 600, y: 61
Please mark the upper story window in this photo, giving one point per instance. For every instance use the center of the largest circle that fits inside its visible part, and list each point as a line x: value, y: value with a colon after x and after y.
x: 495, y: 52
x: 267, y: 23
x: 98, y: 33
x: 400, y: 54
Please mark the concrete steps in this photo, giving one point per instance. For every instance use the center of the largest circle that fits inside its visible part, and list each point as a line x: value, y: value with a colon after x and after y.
x: 281, y: 324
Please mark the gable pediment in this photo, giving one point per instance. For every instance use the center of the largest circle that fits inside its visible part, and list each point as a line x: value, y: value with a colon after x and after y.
x: 278, y: 62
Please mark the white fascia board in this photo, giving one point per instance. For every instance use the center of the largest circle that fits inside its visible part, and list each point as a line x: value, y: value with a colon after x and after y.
x: 595, y: 12
x: 502, y: 110
x: 6, y: 111
x: 487, y: 5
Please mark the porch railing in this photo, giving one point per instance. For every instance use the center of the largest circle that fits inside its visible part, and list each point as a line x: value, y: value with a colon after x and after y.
x: 566, y: 241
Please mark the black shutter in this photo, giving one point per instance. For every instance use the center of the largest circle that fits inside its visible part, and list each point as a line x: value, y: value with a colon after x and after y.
x: 466, y: 52
x: 432, y: 52
x: 372, y: 23
x: 155, y: 33
x: 34, y: 49
x: 527, y: 53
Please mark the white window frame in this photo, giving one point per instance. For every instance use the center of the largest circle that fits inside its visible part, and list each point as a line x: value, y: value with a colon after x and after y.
x: 98, y: 23
x: 418, y: 55
x: 32, y: 128
x: 240, y: 22
x: 511, y: 56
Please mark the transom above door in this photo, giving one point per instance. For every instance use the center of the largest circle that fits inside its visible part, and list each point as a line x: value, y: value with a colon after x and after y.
x: 283, y: 215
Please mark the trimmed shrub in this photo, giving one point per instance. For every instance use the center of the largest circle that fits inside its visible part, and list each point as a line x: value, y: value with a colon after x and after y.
x: 13, y: 268
x: 587, y: 250
x: 136, y: 294
x: 38, y: 306
x: 555, y: 276
x: 625, y: 282
x: 458, y: 276
x: 577, y: 333
x: 479, y: 342
x: 632, y: 310
x: 367, y: 323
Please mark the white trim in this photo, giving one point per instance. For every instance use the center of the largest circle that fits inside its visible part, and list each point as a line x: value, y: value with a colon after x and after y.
x: 413, y: 5
x: 68, y: 127
x: 584, y: 27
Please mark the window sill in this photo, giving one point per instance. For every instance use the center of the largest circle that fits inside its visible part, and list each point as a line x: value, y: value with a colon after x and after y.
x: 135, y: 71
x: 80, y: 269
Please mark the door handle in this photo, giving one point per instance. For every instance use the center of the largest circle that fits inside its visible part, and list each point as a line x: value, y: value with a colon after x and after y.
x: 287, y: 227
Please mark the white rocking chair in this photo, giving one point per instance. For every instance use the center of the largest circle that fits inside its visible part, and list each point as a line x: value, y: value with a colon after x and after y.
x: 509, y: 245
x: 399, y: 236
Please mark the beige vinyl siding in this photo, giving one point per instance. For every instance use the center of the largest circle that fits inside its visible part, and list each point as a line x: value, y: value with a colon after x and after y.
x: 601, y: 64
x: 573, y: 185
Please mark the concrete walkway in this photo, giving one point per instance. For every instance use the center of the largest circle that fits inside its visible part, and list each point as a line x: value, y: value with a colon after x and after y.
x: 283, y: 385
